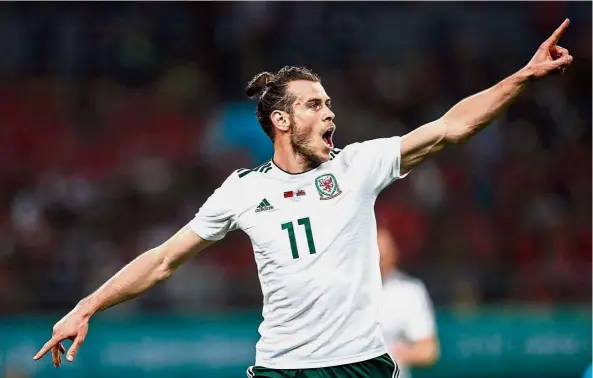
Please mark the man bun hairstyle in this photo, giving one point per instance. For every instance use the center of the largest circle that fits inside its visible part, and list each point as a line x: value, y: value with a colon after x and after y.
x: 257, y: 84
x: 271, y: 90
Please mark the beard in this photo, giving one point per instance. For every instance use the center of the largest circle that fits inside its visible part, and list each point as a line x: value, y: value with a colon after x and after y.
x: 301, y: 142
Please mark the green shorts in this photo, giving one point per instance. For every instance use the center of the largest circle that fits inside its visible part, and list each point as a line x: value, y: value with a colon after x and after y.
x: 379, y: 367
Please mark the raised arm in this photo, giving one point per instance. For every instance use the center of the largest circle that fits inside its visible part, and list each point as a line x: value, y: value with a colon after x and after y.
x: 472, y: 114
x: 141, y: 274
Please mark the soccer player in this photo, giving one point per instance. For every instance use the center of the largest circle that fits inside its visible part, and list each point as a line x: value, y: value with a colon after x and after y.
x: 407, y: 314
x: 310, y: 217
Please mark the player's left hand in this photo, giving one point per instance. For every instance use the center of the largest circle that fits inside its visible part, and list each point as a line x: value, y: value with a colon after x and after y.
x: 550, y: 58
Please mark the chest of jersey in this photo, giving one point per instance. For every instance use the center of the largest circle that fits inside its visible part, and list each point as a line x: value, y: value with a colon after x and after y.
x: 293, y: 222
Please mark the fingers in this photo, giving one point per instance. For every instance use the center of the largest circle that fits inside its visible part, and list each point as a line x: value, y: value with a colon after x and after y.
x: 561, y: 63
x: 55, y: 356
x: 55, y: 353
x: 76, y: 345
x: 558, y: 52
x: 73, y: 349
x: 562, y: 51
x: 555, y: 37
x: 57, y: 349
x: 49, y: 345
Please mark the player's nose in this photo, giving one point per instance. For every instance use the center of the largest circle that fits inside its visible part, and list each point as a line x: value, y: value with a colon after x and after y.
x: 329, y: 115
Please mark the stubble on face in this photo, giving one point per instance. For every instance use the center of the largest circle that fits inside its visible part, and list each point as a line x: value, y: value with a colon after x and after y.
x: 301, y: 141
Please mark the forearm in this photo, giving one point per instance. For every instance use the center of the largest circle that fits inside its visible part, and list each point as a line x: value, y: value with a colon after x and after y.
x: 463, y: 120
x: 473, y: 113
x: 138, y: 276
x: 145, y: 271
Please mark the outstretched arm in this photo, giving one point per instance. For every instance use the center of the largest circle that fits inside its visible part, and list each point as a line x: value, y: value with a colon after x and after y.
x: 472, y: 114
x: 141, y: 274
x: 212, y: 222
x: 145, y: 271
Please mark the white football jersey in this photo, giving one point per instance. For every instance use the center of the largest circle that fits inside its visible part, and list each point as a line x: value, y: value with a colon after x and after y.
x: 407, y: 313
x: 314, y: 237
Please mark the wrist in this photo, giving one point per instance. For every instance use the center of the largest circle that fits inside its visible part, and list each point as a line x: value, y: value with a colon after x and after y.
x: 524, y: 75
x: 87, y: 307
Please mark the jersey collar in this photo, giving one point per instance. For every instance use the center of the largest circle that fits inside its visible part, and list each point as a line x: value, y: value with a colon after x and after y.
x: 288, y: 174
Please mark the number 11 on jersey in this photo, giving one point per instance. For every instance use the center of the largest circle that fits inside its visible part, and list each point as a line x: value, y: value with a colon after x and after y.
x: 291, y: 236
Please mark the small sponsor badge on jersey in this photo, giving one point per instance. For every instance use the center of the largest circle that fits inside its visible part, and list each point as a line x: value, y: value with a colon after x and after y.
x: 327, y: 186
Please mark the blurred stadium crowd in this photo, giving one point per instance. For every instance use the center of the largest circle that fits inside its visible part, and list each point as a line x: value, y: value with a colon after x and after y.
x: 107, y: 112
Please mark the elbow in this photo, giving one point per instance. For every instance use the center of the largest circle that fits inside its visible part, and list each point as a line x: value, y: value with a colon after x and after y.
x: 164, y: 266
x: 454, y: 140
x: 164, y: 273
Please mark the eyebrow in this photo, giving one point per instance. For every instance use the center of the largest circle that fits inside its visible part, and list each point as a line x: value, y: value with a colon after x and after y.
x: 318, y: 99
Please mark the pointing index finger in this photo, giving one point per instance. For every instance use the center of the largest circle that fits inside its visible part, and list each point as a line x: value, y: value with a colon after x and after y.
x: 50, y: 344
x: 555, y: 37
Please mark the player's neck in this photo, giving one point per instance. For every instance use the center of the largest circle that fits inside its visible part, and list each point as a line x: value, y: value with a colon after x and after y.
x: 290, y: 161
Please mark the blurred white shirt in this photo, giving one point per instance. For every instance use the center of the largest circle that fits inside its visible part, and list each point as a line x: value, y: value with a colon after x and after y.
x: 407, y: 313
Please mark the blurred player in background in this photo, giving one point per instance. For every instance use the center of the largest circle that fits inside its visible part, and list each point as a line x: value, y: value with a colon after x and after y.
x: 407, y: 314
x: 309, y: 213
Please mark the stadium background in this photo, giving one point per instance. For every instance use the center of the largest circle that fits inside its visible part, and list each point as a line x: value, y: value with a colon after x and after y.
x: 117, y: 120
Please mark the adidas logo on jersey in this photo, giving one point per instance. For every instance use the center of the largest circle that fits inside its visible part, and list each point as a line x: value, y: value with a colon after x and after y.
x: 264, y: 205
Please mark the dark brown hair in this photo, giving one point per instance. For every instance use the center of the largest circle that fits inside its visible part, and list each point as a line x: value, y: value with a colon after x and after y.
x: 271, y: 89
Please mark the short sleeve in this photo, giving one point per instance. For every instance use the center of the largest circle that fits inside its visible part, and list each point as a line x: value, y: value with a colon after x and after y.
x: 377, y: 161
x: 420, y: 322
x: 216, y: 217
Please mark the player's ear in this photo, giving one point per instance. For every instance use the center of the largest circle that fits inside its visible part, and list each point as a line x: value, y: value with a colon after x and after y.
x: 281, y: 120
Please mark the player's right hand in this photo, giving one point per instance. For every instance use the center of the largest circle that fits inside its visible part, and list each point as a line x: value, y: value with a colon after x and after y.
x: 74, y: 326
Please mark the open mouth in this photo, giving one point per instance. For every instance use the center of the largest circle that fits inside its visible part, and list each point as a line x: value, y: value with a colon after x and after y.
x: 327, y: 137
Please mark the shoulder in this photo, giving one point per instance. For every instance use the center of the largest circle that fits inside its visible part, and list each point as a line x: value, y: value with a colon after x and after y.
x: 344, y: 153
x: 240, y: 185
x: 255, y: 172
x: 345, y: 156
x: 361, y: 150
x: 243, y: 177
